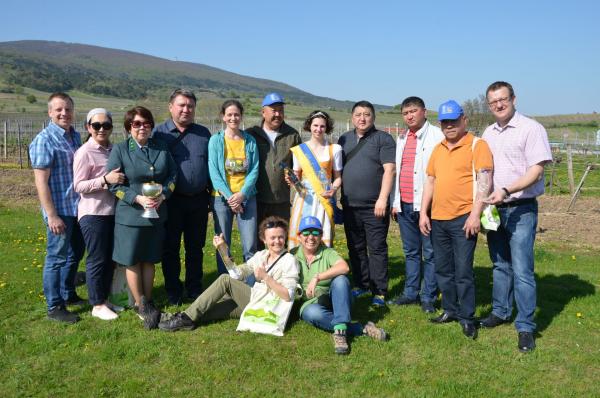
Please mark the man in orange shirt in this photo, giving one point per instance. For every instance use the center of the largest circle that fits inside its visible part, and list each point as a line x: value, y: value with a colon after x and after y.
x: 450, y: 212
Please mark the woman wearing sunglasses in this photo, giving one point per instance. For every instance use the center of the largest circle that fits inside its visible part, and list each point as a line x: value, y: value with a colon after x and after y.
x: 327, y: 300
x: 138, y: 240
x: 318, y: 164
x: 233, y: 168
x: 96, y: 209
x: 275, y: 270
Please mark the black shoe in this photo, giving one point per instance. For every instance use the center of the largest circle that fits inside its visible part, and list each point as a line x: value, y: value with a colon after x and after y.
x: 75, y: 300
x: 179, y: 321
x: 61, y: 314
x: 427, y: 307
x: 526, y: 342
x: 492, y: 321
x: 80, y: 278
x: 444, y: 318
x: 469, y: 329
x: 149, y: 313
x: 403, y: 300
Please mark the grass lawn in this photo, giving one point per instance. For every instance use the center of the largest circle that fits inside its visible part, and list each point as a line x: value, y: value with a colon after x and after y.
x: 120, y: 358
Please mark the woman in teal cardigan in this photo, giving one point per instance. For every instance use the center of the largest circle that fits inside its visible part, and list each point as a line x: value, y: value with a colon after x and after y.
x: 138, y: 241
x: 233, y: 169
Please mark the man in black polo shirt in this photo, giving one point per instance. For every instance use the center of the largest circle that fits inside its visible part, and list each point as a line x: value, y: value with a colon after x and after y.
x: 367, y: 180
x: 188, y: 206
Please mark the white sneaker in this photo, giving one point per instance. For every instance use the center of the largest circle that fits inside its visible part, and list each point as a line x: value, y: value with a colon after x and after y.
x: 114, y: 307
x: 104, y: 313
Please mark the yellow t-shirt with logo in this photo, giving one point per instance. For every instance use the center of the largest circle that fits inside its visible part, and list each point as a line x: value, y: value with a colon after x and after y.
x: 236, y: 165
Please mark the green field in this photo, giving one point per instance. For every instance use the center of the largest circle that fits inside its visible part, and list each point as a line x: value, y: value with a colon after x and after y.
x: 121, y: 359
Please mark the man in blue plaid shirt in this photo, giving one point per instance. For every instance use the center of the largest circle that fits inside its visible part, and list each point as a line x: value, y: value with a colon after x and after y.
x: 51, y: 153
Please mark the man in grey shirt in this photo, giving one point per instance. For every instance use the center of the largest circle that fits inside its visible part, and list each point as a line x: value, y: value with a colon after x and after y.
x: 367, y: 180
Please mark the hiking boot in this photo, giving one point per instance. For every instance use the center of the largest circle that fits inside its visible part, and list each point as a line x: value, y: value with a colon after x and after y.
x: 378, y: 301
x: 340, y: 344
x: 61, y: 314
x: 371, y: 330
x: 179, y: 321
x: 149, y: 313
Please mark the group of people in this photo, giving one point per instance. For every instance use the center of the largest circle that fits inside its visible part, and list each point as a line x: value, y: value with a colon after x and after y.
x: 94, y: 197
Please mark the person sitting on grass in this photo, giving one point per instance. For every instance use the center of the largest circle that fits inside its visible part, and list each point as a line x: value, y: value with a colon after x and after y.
x: 275, y: 270
x: 327, y: 288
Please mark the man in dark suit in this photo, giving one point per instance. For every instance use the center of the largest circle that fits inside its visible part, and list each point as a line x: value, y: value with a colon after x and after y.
x: 188, y: 207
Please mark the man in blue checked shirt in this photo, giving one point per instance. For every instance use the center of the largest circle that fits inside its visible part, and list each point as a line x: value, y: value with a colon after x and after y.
x: 51, y: 153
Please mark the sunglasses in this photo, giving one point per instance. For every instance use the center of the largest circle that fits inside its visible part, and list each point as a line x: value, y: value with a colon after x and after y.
x: 313, y: 232
x: 97, y: 126
x: 136, y: 124
x: 275, y: 224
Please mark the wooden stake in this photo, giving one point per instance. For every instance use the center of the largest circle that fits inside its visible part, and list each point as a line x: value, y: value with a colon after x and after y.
x: 570, y: 170
x: 589, y: 167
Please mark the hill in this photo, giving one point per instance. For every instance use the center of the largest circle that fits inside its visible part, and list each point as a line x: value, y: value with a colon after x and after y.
x: 52, y: 66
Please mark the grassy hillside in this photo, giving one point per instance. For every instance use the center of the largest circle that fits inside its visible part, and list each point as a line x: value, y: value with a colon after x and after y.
x: 52, y: 66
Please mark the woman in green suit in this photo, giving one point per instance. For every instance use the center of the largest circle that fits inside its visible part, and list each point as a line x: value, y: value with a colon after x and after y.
x: 138, y: 241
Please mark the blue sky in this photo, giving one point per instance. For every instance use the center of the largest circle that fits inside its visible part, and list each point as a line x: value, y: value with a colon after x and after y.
x: 382, y: 51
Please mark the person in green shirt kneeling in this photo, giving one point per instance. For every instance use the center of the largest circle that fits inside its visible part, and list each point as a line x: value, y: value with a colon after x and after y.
x: 327, y: 289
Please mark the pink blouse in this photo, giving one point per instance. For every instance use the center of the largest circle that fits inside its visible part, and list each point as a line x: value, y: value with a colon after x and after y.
x: 89, y: 169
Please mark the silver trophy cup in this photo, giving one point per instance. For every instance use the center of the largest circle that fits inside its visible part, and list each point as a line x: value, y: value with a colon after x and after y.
x: 151, y: 190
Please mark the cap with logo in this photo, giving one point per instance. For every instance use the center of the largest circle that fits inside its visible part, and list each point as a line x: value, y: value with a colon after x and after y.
x: 450, y: 110
x: 310, y: 222
x: 272, y: 98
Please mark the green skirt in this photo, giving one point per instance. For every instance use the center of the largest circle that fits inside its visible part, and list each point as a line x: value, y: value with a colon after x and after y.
x: 133, y: 245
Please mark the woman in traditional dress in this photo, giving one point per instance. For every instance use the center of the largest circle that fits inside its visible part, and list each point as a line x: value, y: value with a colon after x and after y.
x: 318, y: 164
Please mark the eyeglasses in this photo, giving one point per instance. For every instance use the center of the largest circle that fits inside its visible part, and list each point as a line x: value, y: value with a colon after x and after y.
x: 499, y: 101
x: 313, y: 232
x: 136, y: 124
x: 275, y: 224
x: 97, y: 126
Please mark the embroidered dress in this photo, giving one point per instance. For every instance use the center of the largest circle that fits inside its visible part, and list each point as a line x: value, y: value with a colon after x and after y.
x: 313, y: 204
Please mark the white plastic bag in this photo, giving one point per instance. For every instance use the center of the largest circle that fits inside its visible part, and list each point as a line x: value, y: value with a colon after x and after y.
x: 490, y: 218
x: 119, y: 291
x: 267, y: 316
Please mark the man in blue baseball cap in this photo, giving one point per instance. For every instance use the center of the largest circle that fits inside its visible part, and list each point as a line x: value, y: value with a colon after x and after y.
x: 450, y: 213
x: 274, y: 139
x: 326, y: 288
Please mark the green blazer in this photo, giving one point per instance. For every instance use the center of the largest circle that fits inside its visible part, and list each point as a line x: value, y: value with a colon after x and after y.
x: 158, y: 166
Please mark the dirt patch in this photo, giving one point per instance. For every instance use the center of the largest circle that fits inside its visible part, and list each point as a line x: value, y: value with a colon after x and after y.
x: 580, y: 227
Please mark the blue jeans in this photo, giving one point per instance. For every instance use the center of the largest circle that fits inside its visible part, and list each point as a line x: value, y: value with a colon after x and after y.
x: 417, y: 250
x: 98, y: 234
x: 511, y: 251
x: 333, y: 308
x: 247, y: 226
x: 454, y: 266
x: 63, y: 253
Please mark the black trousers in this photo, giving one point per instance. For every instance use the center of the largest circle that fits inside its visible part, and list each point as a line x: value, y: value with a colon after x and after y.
x: 367, y: 247
x: 188, y: 215
x: 454, y: 266
x: 99, y: 267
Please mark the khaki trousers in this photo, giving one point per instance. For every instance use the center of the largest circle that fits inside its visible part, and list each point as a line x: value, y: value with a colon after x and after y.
x: 225, y: 298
